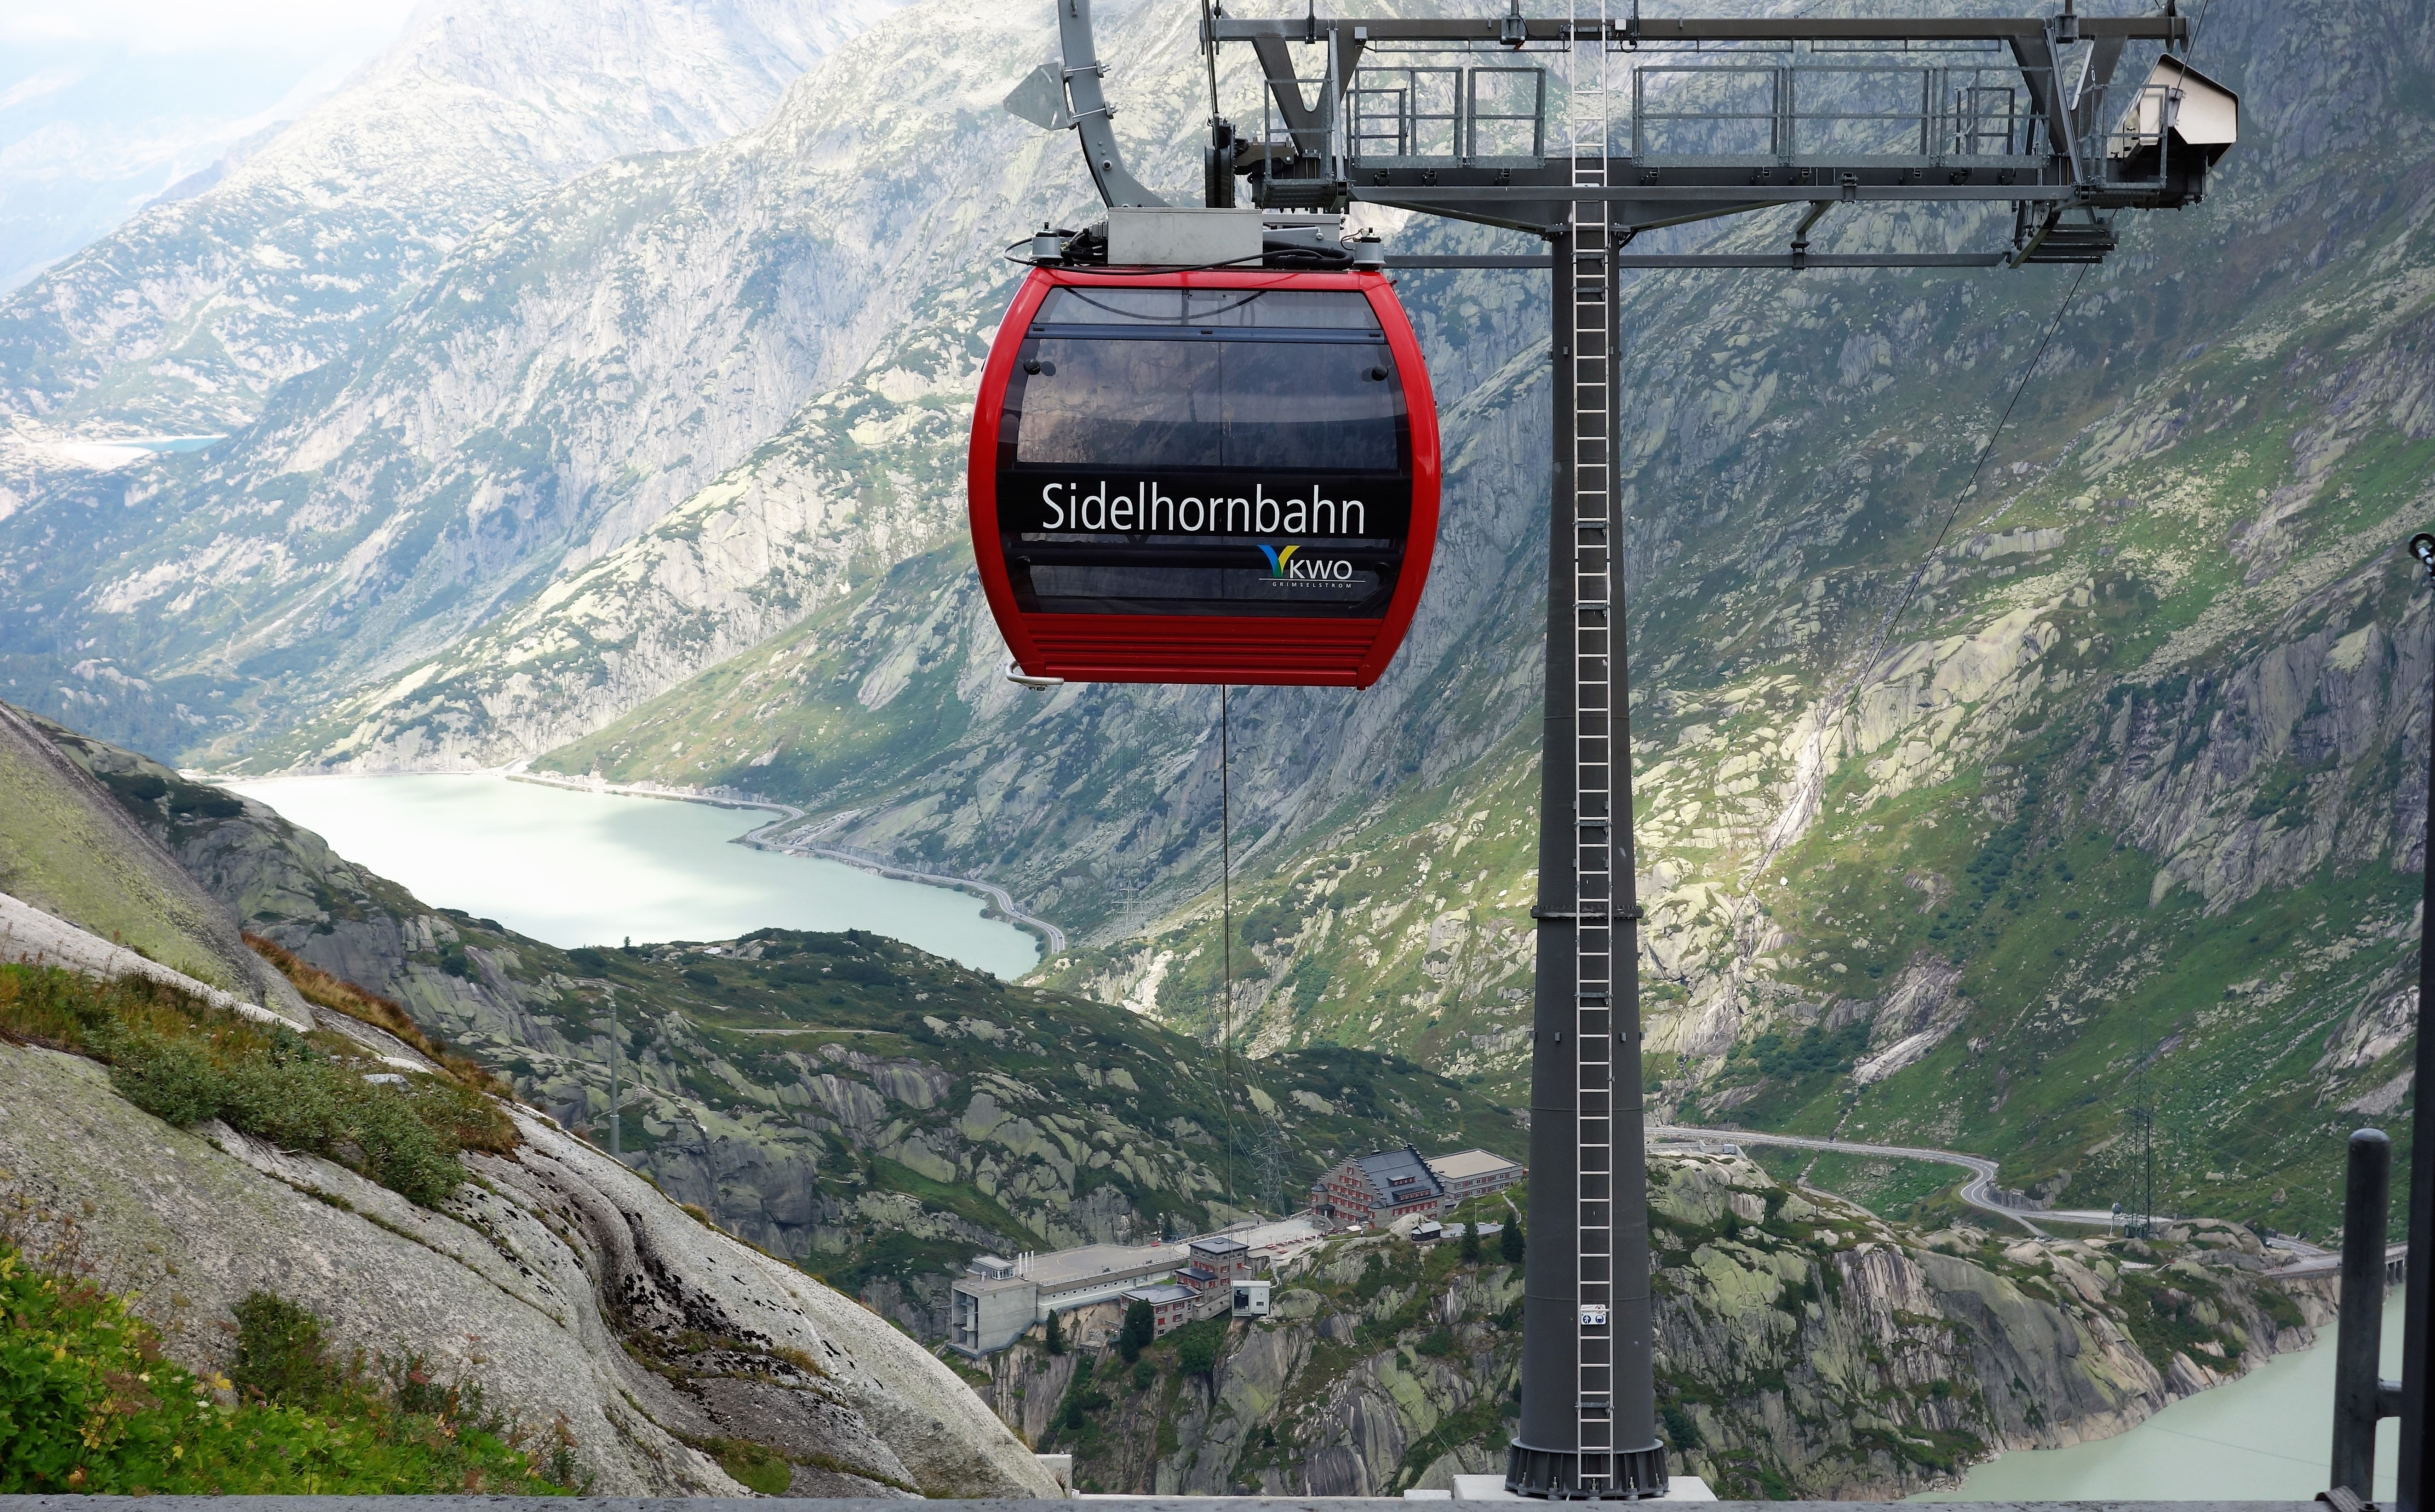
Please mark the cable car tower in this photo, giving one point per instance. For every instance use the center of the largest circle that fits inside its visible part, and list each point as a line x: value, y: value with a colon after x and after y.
x: 1656, y: 121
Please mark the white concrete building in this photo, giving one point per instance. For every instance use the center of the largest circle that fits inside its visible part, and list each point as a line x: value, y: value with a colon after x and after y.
x: 997, y: 1300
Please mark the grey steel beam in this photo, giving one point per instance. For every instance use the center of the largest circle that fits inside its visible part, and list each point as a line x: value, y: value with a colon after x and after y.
x: 2362, y: 1396
x: 1542, y: 261
x: 1794, y: 260
x: 1659, y: 31
x: 1749, y: 196
x: 1801, y: 260
x: 1091, y: 112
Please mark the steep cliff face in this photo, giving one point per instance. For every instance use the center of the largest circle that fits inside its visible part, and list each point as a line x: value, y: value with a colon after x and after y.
x: 1805, y: 1348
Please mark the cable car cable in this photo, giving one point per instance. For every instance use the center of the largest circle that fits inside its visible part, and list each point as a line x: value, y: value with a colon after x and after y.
x: 1226, y: 908
x: 1851, y: 687
x: 1986, y: 450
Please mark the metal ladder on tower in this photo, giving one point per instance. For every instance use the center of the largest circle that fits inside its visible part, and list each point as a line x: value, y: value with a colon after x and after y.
x: 1592, y: 250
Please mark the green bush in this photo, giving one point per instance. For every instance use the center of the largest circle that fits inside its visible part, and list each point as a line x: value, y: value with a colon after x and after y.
x: 183, y: 1063
x: 88, y: 1404
x: 1509, y: 1243
x: 1141, y: 1327
x: 170, y: 1079
x: 757, y: 1467
x: 281, y: 1356
x: 1197, y: 1344
x: 1144, y: 1373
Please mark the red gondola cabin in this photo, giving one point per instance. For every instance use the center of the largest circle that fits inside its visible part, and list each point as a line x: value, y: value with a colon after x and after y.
x: 1207, y: 476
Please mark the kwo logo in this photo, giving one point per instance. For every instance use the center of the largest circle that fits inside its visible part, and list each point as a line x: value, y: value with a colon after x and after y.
x: 1282, y: 564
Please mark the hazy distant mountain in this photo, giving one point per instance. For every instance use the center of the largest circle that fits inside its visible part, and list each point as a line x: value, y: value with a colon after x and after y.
x: 101, y: 112
x: 183, y: 318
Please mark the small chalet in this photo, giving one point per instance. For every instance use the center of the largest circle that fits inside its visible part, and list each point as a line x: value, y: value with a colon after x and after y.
x: 1370, y: 1189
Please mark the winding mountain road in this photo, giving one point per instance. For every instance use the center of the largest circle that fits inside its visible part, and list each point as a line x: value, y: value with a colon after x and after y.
x: 1003, y: 899
x: 1979, y: 1191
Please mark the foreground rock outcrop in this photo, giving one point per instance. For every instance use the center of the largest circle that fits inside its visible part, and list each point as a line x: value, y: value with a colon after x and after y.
x: 581, y: 1300
x: 574, y: 1294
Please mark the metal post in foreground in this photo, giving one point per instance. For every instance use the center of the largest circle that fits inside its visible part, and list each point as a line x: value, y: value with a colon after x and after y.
x: 2418, y: 1319
x: 2358, y: 1395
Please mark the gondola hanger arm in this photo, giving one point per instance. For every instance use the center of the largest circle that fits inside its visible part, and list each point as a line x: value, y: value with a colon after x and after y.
x: 1089, y: 110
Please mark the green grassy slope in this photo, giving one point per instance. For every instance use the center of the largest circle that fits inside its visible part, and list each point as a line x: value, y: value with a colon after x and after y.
x: 69, y: 848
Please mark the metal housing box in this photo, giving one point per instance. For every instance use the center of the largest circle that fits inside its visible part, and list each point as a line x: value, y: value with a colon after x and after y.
x: 1172, y: 237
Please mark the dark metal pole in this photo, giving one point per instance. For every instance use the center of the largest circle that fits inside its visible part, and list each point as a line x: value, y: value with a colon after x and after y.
x: 2147, y: 1153
x: 1547, y: 1449
x: 1574, y: 1369
x: 2418, y: 1315
x: 616, y: 1143
x: 1640, y: 1457
x: 2366, y: 1195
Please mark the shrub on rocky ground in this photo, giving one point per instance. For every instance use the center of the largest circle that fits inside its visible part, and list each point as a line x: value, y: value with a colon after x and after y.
x: 184, y: 1062
x: 88, y: 1404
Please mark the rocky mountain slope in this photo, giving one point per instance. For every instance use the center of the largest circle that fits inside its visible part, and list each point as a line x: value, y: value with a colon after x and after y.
x: 1807, y: 1350
x: 570, y: 1290
x: 1977, y: 802
x: 872, y: 1113
x: 586, y: 1305
x: 69, y: 848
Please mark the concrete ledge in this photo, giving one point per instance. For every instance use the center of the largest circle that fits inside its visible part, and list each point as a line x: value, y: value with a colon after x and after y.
x: 1492, y: 1489
x: 464, y: 1503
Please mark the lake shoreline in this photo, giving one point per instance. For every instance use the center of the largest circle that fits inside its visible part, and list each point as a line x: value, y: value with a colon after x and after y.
x: 2168, y: 1453
x: 1001, y: 902
x: 555, y: 860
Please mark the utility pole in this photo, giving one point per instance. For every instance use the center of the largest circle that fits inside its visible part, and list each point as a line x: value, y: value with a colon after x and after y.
x: 2148, y: 1148
x: 616, y: 1149
x: 2418, y: 1309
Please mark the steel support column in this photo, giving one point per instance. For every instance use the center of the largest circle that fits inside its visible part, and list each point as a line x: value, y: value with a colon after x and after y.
x: 1588, y: 1398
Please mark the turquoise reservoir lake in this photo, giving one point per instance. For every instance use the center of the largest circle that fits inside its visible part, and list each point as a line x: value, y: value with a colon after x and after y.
x: 2268, y: 1436
x: 591, y: 869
